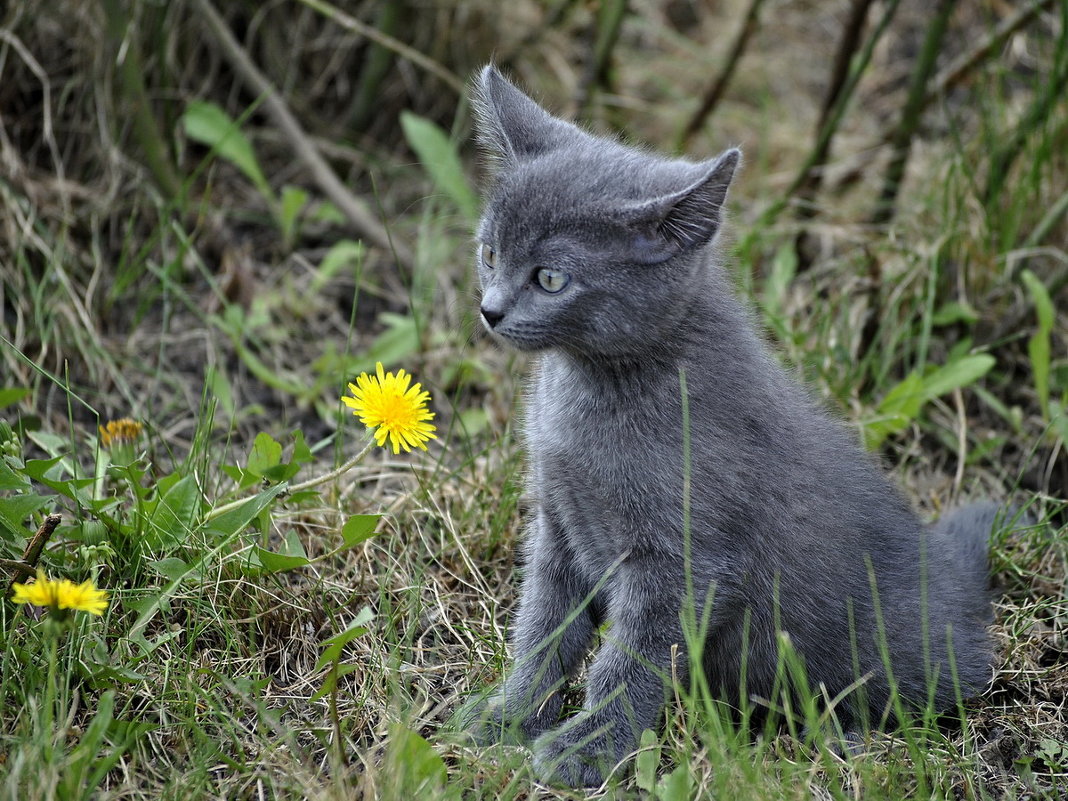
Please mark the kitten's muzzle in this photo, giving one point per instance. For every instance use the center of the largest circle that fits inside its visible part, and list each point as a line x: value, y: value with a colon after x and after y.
x: 492, y: 316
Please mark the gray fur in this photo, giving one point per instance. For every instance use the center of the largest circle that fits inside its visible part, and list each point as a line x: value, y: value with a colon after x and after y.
x: 791, y: 522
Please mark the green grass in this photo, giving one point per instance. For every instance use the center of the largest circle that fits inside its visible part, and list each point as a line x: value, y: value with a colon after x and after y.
x: 260, y: 653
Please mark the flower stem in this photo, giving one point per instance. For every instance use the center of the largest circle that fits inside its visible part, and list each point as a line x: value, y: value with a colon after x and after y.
x: 311, y: 482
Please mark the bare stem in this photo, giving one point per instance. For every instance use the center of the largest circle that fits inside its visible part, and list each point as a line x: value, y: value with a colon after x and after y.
x: 311, y: 482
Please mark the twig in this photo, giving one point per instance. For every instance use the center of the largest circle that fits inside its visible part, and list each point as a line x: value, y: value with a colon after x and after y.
x: 27, y: 566
x: 37, y: 543
x: 901, y: 137
x: 351, y: 206
x: 715, y: 91
x: 813, y: 179
x: 400, y: 48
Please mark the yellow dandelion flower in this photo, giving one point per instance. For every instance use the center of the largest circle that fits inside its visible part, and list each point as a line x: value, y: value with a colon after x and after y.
x: 119, y: 432
x: 386, y: 404
x: 61, y: 594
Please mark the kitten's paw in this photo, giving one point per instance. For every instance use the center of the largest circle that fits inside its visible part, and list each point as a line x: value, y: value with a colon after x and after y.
x: 579, y: 755
x: 490, y: 722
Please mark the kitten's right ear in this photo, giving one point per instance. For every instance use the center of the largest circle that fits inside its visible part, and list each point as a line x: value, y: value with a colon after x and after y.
x: 509, y: 124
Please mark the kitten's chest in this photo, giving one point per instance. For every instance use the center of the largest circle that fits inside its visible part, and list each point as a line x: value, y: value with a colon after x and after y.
x: 601, y: 462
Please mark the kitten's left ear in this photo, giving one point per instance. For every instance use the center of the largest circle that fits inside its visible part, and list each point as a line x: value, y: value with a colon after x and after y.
x: 689, y: 218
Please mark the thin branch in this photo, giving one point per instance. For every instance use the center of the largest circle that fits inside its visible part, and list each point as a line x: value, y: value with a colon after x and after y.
x: 847, y: 47
x: 351, y: 206
x: 27, y: 566
x: 813, y: 179
x: 715, y: 91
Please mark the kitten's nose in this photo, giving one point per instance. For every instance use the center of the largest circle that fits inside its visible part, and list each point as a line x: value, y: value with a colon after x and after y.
x: 492, y: 316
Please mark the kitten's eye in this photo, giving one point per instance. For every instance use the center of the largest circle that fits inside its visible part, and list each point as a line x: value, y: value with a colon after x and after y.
x: 551, y: 280
x: 489, y: 256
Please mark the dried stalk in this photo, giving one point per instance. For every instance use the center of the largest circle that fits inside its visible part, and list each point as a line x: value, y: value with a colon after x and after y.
x: 27, y: 566
x: 956, y: 71
x: 351, y: 206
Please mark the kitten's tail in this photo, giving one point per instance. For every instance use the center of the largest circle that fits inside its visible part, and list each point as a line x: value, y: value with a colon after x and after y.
x: 966, y: 532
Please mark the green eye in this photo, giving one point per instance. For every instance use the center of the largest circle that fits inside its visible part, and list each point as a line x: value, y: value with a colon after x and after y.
x: 489, y: 256
x: 551, y: 280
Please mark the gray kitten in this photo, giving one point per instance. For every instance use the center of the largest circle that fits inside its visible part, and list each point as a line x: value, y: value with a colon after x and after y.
x: 601, y: 259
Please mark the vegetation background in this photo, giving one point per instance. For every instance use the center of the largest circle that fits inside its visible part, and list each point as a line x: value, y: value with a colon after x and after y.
x: 215, y: 214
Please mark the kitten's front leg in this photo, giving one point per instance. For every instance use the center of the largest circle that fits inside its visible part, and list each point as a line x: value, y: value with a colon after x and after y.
x: 627, y: 687
x: 552, y: 632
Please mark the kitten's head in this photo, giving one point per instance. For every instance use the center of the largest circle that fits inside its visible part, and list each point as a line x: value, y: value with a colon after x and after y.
x: 585, y: 244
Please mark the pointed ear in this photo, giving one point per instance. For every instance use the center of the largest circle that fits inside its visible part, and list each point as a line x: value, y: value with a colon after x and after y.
x: 509, y: 124
x: 687, y: 219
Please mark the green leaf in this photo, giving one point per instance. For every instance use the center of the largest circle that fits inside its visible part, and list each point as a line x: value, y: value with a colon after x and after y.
x: 957, y: 374
x: 399, y: 341
x: 647, y: 761
x: 10, y: 480
x: 17, y: 508
x: 441, y: 161
x: 301, y: 452
x: 1038, y: 353
x: 208, y: 124
x: 11, y: 395
x: 176, y: 511
x: 783, y: 270
x: 954, y: 312
x: 1038, y: 346
x: 293, y: 201
x: 340, y: 256
x: 236, y: 519
x: 897, y: 409
x: 1040, y: 296
x: 359, y: 528
x: 294, y: 556
x: 675, y: 786
x: 414, y: 768
x: 172, y: 568
x: 42, y: 470
x: 266, y: 452
x: 335, y: 645
x: 242, y: 477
